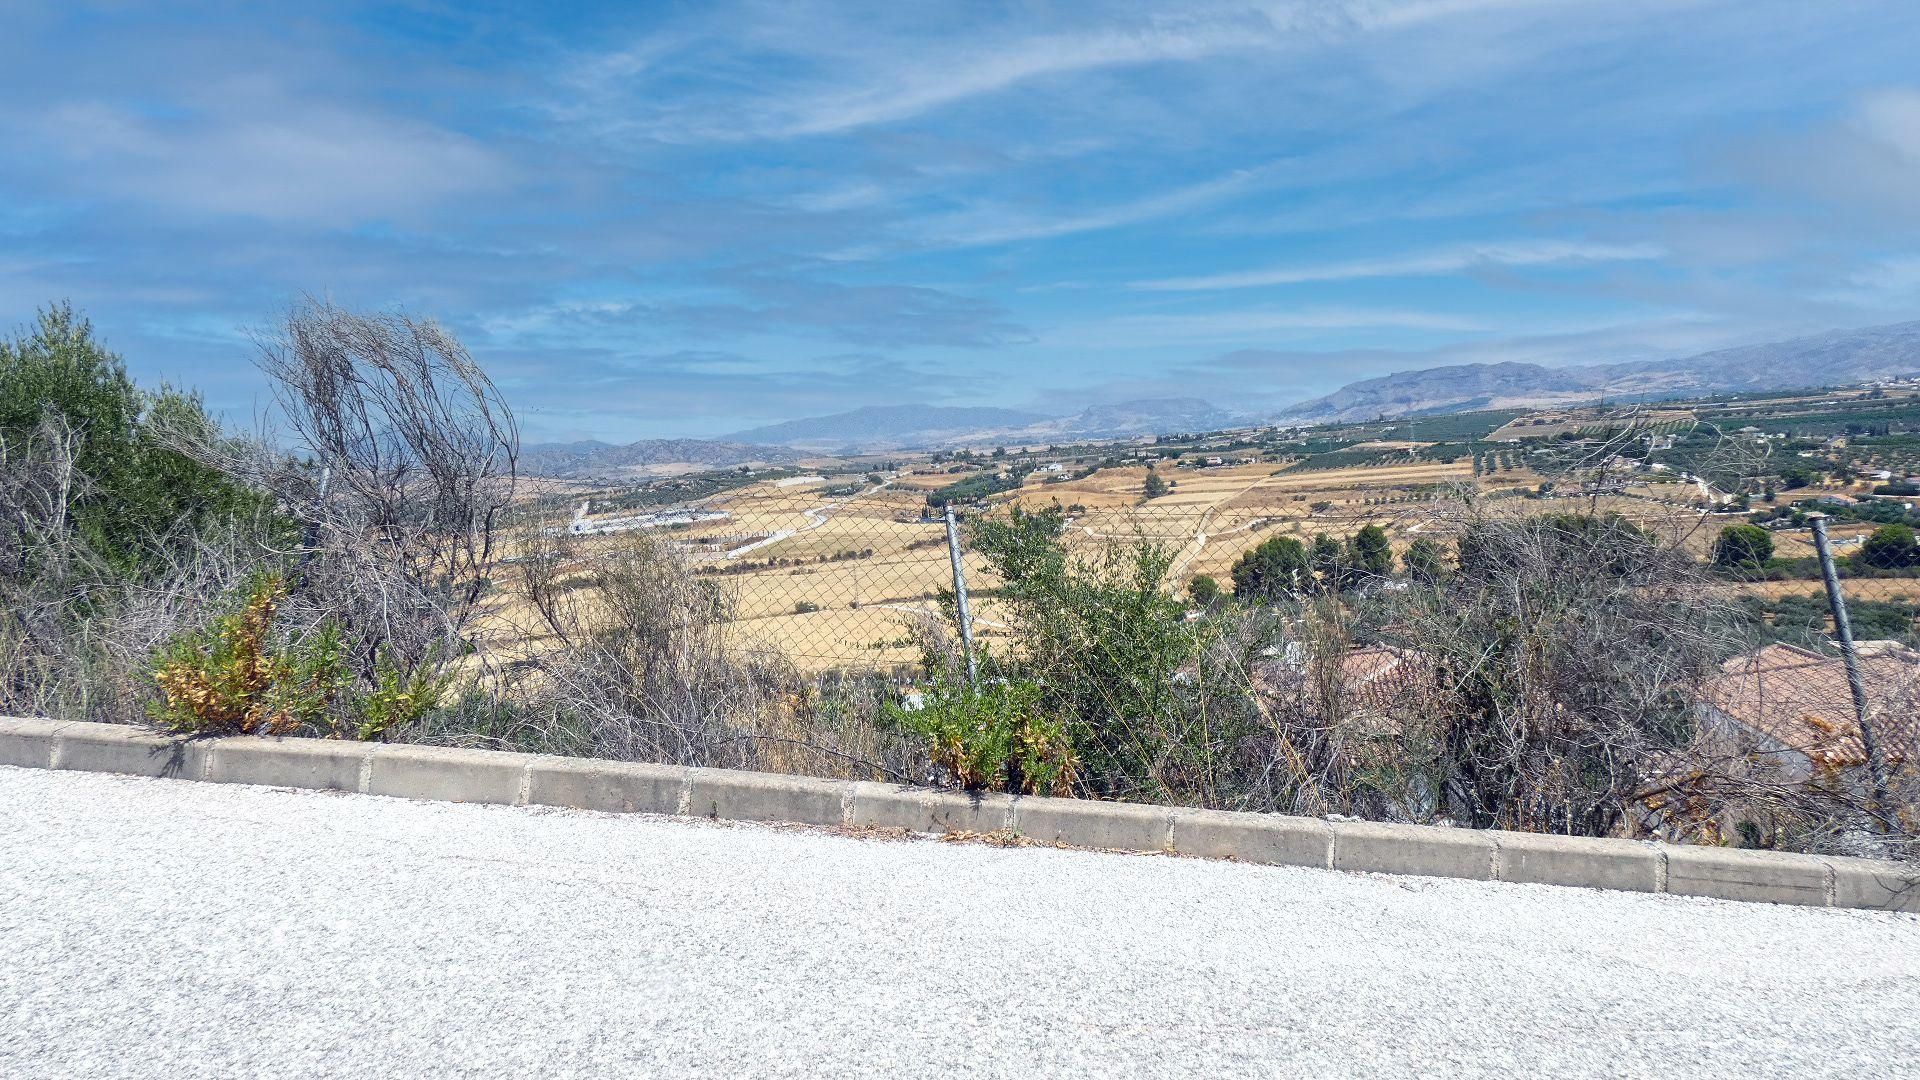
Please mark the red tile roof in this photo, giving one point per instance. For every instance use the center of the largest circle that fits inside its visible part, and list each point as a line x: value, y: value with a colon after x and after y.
x: 1801, y: 700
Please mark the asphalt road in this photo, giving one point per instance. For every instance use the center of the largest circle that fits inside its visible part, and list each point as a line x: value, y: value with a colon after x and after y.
x: 163, y: 928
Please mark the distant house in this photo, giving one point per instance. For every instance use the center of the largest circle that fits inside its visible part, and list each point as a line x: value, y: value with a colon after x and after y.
x: 1375, y: 684
x: 1795, y: 706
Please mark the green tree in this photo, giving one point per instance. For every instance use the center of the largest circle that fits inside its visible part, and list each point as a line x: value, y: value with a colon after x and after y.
x: 1103, y: 637
x: 1370, y: 553
x: 1891, y: 547
x: 1277, y: 567
x: 1422, y: 561
x: 1743, y: 546
x: 1204, y: 591
x: 133, y: 489
x: 1155, y: 486
x: 1798, y: 476
x: 1330, y: 563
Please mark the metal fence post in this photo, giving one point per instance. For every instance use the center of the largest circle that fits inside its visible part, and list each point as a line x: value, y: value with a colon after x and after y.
x: 1843, y: 629
x: 960, y: 597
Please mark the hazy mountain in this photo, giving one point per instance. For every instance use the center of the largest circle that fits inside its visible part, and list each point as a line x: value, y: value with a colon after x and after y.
x: 1831, y: 358
x: 886, y: 427
x: 1154, y: 416
x: 894, y: 427
x: 592, y: 458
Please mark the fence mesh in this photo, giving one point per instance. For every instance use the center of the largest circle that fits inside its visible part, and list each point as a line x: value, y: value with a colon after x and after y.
x: 842, y: 581
x: 833, y: 578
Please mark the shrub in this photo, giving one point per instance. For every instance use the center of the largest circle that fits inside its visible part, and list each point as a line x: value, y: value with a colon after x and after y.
x: 1743, y: 546
x: 1890, y: 548
x: 129, y: 487
x: 1568, y: 651
x: 1423, y: 561
x: 400, y: 697
x: 1370, y: 552
x: 993, y: 737
x: 1116, y: 660
x: 230, y: 678
x: 1276, y: 568
x: 1204, y: 591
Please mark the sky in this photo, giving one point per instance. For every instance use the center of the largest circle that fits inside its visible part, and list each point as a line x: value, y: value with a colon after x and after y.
x: 666, y: 219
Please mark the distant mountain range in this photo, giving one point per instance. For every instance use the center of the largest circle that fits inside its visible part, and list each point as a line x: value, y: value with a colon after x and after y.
x: 887, y: 427
x: 913, y: 427
x: 1837, y: 357
x: 592, y: 459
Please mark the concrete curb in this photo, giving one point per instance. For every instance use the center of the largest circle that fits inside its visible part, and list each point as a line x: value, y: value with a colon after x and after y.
x: 484, y: 776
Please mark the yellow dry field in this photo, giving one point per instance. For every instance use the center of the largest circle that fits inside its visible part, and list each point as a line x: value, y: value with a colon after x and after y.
x: 1548, y: 427
x: 842, y: 581
x: 1213, y: 516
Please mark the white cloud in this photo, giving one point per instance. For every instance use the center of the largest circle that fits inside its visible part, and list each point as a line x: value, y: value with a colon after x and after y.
x: 284, y: 161
x: 894, y: 77
x: 1891, y: 120
x: 1446, y: 260
x: 1866, y: 163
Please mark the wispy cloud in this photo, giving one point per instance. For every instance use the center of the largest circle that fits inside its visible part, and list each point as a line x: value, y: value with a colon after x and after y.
x: 1447, y: 260
x: 1250, y: 325
x: 824, y: 89
x: 984, y: 228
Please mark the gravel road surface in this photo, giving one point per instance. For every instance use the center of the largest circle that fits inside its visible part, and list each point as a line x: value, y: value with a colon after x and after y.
x: 164, y: 928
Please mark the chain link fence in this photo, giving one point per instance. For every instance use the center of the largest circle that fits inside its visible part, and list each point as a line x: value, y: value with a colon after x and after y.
x: 844, y: 581
x: 1806, y: 676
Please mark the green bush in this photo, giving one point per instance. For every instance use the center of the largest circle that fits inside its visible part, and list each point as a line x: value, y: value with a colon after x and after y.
x: 994, y: 737
x: 1109, y: 645
x: 230, y: 678
x: 1743, y: 546
x: 133, y: 487
x: 1891, y: 547
x: 1423, y: 561
x: 1370, y: 553
x: 1276, y: 568
x: 399, y: 698
x: 1204, y: 591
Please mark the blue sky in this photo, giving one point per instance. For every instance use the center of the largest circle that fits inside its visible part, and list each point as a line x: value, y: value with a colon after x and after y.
x: 683, y: 219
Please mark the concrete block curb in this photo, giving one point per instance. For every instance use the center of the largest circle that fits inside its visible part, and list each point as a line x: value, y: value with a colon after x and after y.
x: 617, y: 787
x: 1083, y: 823
x: 448, y: 774
x: 272, y: 761
x: 1257, y: 838
x: 28, y: 742
x: 1543, y: 859
x: 486, y: 776
x: 1734, y: 874
x: 1414, y: 849
x: 116, y: 749
x: 749, y: 796
x: 1868, y: 883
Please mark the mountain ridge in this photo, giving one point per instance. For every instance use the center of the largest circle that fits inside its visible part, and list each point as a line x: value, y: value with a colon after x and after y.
x: 1827, y: 358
